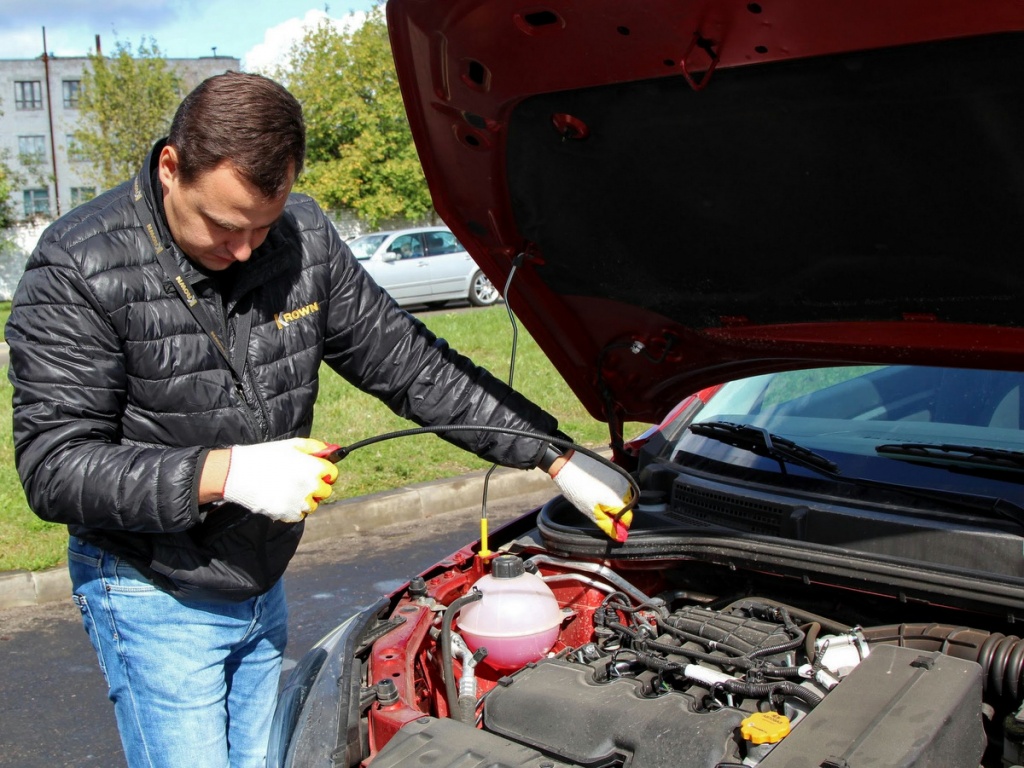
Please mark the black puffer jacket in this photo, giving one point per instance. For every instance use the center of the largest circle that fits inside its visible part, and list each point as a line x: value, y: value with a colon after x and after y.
x: 119, y: 392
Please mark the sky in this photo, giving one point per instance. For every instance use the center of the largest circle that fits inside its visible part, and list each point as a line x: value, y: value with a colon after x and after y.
x: 259, y: 32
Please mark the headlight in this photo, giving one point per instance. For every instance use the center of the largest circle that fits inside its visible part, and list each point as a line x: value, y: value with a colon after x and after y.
x: 319, y: 705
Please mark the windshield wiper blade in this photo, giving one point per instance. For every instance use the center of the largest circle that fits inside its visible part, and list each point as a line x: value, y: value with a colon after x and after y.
x: 956, y: 456
x: 764, y: 443
x: 753, y: 439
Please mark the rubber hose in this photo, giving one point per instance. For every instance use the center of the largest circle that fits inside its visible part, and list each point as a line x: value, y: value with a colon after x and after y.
x: 811, y: 635
x: 774, y: 650
x: 830, y: 626
x: 467, y: 710
x: 683, y: 634
x: 796, y: 634
x: 721, y: 661
x: 447, y: 662
x: 761, y: 690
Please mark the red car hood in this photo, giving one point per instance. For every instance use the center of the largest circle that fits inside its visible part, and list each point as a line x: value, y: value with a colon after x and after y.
x: 690, y: 191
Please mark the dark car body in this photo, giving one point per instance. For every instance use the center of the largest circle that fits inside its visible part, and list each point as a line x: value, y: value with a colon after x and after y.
x: 786, y: 234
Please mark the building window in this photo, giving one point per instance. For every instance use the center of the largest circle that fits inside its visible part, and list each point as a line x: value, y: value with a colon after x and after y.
x: 32, y: 149
x: 37, y: 202
x: 81, y: 195
x: 75, y: 153
x: 72, y: 92
x: 28, y: 94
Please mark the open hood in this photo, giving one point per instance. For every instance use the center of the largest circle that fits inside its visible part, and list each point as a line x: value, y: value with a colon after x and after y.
x: 691, y: 191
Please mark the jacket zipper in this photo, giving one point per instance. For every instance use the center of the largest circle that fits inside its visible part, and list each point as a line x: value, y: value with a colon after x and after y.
x: 255, y: 407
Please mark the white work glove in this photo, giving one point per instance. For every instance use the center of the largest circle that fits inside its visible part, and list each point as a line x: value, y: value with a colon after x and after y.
x: 596, y: 490
x: 281, y: 480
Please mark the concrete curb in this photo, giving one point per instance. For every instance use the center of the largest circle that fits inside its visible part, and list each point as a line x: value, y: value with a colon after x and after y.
x: 359, y: 515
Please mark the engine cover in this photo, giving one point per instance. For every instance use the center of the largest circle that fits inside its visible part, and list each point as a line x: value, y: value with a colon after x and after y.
x: 432, y: 743
x: 898, y: 707
x: 557, y: 708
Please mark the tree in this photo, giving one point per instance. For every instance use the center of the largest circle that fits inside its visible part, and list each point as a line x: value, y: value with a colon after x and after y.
x: 127, y: 103
x: 9, y: 183
x: 359, y: 150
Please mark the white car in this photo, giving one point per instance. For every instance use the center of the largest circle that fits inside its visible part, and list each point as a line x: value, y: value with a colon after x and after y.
x: 427, y: 265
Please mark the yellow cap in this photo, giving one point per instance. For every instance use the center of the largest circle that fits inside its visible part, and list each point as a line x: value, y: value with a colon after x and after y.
x: 765, y: 728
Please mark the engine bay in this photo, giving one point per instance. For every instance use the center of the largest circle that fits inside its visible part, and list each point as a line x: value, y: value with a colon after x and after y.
x: 679, y: 662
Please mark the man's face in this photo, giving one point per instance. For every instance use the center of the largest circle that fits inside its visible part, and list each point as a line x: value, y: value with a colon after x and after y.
x: 219, y: 218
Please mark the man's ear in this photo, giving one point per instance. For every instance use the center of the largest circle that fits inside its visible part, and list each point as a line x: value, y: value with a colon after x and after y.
x: 167, y: 165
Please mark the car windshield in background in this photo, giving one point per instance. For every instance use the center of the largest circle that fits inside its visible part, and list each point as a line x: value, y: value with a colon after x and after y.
x: 363, y: 247
x: 951, y: 430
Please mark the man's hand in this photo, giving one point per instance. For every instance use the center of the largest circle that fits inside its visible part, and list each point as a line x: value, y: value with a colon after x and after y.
x: 281, y: 480
x: 596, y: 490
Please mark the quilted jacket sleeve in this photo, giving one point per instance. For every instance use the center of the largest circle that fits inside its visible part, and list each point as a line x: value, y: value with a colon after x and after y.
x: 68, y: 374
x: 388, y: 353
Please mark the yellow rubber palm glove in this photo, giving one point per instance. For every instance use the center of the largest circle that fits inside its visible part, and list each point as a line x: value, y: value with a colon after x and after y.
x: 596, y: 490
x: 281, y: 479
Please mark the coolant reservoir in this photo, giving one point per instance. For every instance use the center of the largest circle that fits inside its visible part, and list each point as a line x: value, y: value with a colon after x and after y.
x: 517, y: 620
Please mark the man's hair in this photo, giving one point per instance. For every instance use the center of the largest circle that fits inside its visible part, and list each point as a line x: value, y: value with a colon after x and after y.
x: 248, y: 120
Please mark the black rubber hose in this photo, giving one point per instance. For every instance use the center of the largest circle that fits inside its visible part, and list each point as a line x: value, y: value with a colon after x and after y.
x: 1000, y: 657
x: 741, y: 687
x: 553, y: 440
x: 830, y: 626
x: 740, y: 656
x: 682, y: 634
x: 762, y: 690
x: 447, y: 662
x: 736, y: 662
x: 810, y: 636
x: 739, y: 662
x: 795, y: 632
x: 774, y: 670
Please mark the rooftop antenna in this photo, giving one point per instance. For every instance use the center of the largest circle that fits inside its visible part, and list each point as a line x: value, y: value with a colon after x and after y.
x: 214, y: 49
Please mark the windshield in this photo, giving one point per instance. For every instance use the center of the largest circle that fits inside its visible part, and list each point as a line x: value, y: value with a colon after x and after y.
x: 364, y: 246
x: 949, y: 429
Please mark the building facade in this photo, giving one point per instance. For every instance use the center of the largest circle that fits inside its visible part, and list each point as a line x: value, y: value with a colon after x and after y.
x: 39, y: 103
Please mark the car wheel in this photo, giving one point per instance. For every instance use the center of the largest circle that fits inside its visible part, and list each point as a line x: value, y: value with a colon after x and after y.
x: 482, y: 292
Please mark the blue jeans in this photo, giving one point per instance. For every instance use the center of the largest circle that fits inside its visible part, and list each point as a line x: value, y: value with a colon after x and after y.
x: 193, y: 683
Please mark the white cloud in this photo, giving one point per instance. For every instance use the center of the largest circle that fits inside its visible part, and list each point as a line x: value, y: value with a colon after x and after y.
x: 272, y: 53
x: 22, y: 44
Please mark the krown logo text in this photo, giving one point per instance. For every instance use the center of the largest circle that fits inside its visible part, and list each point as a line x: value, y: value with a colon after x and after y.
x: 284, y: 319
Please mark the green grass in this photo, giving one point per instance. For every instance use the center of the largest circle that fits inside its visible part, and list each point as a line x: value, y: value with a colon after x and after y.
x: 344, y: 416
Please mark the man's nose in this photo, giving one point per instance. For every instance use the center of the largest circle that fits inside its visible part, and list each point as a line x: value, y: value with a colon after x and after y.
x: 241, y: 245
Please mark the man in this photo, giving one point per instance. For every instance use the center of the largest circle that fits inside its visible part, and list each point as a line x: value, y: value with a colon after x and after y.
x: 406, y: 251
x: 165, y: 345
